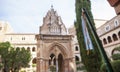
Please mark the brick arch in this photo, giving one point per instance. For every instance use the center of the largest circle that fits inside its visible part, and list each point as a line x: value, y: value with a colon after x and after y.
x: 63, y: 50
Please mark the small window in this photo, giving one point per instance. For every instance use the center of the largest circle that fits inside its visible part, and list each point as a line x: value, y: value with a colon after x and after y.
x: 28, y: 48
x: 23, y: 38
x: 76, y: 48
x: 115, y: 37
x: 11, y: 38
x: 107, y: 28
x: 104, y: 41
x: 109, y: 39
x: 76, y: 58
x: 116, y: 22
x: 33, y: 49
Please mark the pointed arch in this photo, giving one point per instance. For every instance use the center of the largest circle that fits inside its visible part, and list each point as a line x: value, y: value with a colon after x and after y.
x: 63, y: 50
x: 60, y: 63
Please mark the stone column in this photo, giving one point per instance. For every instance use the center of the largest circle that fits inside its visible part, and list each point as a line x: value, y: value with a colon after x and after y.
x: 66, y: 65
x: 71, y: 65
x: 38, y: 65
x: 56, y: 65
x: 41, y: 65
x: 47, y: 65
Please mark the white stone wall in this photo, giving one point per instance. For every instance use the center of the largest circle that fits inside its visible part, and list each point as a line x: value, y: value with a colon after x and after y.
x: 26, y: 41
x: 4, y: 28
x: 17, y: 38
x: 111, y: 24
x: 72, y: 31
x: 113, y: 28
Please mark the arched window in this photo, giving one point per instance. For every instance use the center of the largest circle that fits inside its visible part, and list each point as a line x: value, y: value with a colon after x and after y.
x: 114, y: 37
x: 119, y: 34
x: 109, y: 39
x: 107, y: 28
x: 60, y: 63
x: 17, y: 48
x: 22, y: 48
x: 104, y: 41
x: 23, y: 38
x: 116, y: 22
x: 11, y: 38
x: 76, y: 48
x: 28, y: 48
x: 33, y: 49
x: 34, y: 61
x: 52, y: 60
x: 76, y: 58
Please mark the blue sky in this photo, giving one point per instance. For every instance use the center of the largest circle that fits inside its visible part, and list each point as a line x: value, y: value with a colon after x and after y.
x: 25, y: 16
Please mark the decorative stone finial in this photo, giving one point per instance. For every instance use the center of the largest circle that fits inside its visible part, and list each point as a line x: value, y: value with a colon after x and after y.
x: 51, y: 6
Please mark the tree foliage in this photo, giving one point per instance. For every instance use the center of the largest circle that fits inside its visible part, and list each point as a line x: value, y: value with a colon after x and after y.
x: 116, y: 56
x: 92, y: 61
x: 115, y: 64
x: 13, y: 59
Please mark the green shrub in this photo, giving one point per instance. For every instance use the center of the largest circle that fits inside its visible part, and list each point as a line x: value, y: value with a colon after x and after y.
x: 52, y: 68
x: 81, y: 68
x: 103, y: 68
x: 77, y: 62
x: 33, y: 65
x: 115, y: 66
x: 116, y: 56
x: 23, y: 71
x: 1, y: 65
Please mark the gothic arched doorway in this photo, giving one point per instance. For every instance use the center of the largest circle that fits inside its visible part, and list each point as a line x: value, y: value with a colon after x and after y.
x: 60, y: 63
x: 57, y: 63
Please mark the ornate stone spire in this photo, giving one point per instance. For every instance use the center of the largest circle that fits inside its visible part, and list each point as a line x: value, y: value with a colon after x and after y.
x: 52, y: 23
